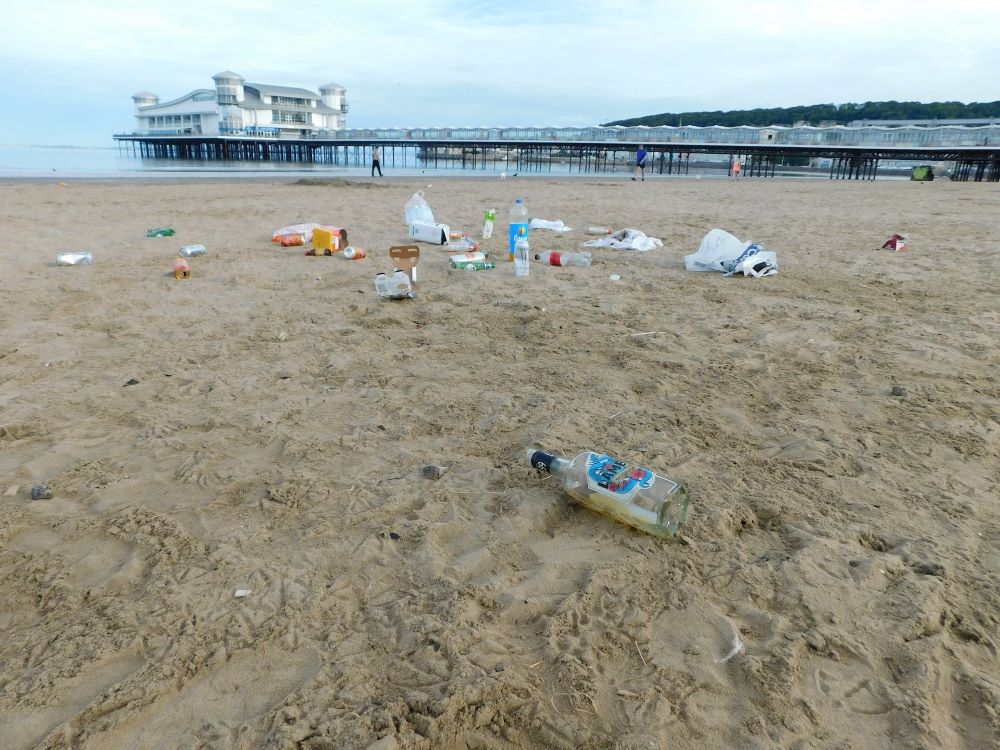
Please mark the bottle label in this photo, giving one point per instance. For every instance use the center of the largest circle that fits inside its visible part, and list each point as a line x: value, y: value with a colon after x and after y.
x: 614, y: 478
x: 517, y: 231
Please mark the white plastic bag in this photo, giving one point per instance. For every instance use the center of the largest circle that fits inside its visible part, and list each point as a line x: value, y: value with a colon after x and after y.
x: 627, y: 239
x: 556, y: 226
x: 417, y: 209
x: 721, y: 251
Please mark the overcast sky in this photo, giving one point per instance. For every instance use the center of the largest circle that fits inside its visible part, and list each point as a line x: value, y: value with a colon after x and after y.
x: 70, y: 68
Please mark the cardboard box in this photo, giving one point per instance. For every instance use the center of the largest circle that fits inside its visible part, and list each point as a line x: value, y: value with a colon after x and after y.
x: 435, y: 234
x: 328, y: 240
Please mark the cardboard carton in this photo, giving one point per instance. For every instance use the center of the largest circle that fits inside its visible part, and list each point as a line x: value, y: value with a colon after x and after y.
x: 435, y: 234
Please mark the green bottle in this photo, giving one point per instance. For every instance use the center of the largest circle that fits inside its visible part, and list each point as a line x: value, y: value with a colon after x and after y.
x: 161, y: 232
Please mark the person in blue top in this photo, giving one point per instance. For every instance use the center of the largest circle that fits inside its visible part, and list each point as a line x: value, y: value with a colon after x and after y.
x: 640, y: 164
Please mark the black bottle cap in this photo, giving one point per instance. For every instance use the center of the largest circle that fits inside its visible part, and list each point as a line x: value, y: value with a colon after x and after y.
x: 542, y: 461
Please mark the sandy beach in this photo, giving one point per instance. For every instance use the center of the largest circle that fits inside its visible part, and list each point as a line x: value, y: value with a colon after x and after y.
x: 843, y: 535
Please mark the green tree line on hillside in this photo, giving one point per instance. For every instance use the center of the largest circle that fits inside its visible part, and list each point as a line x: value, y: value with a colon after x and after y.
x: 814, y: 114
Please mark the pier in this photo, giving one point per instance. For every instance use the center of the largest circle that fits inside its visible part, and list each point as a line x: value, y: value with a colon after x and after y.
x: 846, y: 162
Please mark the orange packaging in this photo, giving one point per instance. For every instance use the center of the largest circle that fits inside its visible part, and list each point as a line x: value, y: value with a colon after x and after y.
x: 292, y: 240
x: 181, y: 269
x: 329, y: 240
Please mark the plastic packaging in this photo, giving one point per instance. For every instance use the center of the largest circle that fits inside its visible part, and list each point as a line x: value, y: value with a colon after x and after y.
x: 630, y: 494
x: 354, y: 253
x: 471, y: 265
x: 556, y: 258
x: 522, y: 256
x: 598, y: 230
x: 518, y: 225
x: 394, y: 286
x: 489, y: 218
x: 306, y: 230
x: 75, y: 259
x: 459, y: 257
x: 292, y: 240
x: 417, y: 209
x: 190, y: 251
x: 160, y: 232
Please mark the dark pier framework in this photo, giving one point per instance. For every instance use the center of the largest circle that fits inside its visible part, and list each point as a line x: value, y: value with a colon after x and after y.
x: 976, y: 163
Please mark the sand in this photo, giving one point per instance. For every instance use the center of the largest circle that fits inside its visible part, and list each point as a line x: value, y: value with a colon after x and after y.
x: 848, y: 537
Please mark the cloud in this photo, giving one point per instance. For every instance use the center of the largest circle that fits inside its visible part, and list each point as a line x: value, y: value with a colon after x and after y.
x: 562, y: 62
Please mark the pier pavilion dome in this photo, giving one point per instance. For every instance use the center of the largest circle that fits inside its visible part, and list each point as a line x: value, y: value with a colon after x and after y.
x: 229, y: 91
x: 333, y: 88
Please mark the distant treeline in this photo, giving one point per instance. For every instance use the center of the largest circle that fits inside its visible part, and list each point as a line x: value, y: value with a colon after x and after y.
x: 839, y: 114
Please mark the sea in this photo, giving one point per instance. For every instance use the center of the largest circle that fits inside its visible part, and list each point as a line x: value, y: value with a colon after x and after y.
x: 114, y: 163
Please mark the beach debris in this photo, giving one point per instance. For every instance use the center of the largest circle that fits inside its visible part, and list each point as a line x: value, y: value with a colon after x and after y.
x: 396, y: 286
x: 898, y: 390
x: 130, y: 381
x: 328, y: 240
x: 627, y: 239
x: 41, y: 492
x: 615, y: 277
x: 737, y: 647
x: 181, y: 269
x: 190, y: 251
x: 354, y: 253
x: 896, y: 242
x: 75, y: 259
x: 433, y: 471
x: 556, y: 226
x: 429, y: 232
x: 598, y: 231
x: 405, y: 258
x: 394, y: 536
x: 302, y: 231
x: 160, y: 232
x: 418, y: 209
x: 721, y: 251
x: 242, y: 593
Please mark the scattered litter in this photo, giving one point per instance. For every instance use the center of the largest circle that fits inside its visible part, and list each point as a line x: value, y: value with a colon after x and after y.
x: 615, y: 277
x: 130, y: 381
x: 417, y: 209
x: 160, y: 232
x: 75, y: 259
x: 328, y: 240
x: 394, y: 536
x: 242, y: 593
x: 396, y: 286
x: 556, y: 226
x: 737, y: 647
x: 627, y: 239
x: 181, y: 269
x: 897, y: 242
x: 304, y: 231
x: 598, y: 230
x: 41, y: 492
x: 721, y: 251
x: 428, y: 231
x: 433, y: 471
x: 190, y: 251
x: 898, y: 390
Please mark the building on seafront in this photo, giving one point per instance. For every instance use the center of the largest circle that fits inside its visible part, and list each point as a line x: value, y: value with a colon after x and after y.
x: 235, y: 106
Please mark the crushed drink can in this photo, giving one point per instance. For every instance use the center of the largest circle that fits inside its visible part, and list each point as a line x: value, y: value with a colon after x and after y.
x: 75, y: 259
x: 354, y: 253
x: 394, y: 286
x: 189, y: 251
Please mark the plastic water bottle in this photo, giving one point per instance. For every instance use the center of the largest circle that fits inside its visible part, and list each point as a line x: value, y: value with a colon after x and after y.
x: 631, y: 494
x: 522, y: 254
x: 488, y: 219
x: 518, y: 225
x: 556, y: 258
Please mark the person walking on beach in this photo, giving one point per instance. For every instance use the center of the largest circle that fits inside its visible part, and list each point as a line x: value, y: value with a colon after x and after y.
x: 737, y: 167
x: 640, y: 164
x: 376, y: 161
